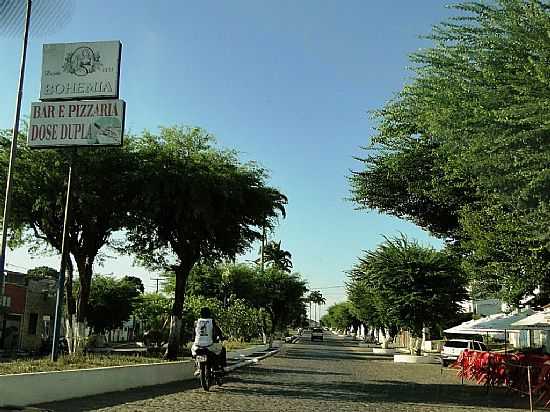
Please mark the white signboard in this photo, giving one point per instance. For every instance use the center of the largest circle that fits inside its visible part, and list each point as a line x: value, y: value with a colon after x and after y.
x: 80, y: 70
x: 76, y: 123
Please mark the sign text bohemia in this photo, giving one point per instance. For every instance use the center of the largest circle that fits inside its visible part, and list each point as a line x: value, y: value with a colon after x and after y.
x: 80, y: 70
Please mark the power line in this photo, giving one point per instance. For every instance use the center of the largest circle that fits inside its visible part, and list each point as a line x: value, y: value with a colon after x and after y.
x: 329, y: 287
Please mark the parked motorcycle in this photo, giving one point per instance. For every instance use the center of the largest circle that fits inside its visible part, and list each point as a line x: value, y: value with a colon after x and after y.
x: 206, y: 363
x: 46, y: 346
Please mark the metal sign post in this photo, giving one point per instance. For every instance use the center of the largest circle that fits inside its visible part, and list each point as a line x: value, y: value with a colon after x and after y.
x: 61, y: 276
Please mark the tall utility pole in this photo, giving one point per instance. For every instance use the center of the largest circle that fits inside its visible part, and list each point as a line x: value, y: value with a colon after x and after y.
x: 13, y: 152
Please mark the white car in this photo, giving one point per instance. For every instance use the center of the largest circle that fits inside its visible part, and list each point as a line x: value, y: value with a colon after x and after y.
x: 452, y: 349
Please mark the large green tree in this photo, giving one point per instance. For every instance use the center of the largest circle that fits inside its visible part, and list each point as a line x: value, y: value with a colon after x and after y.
x: 340, y: 316
x: 282, y: 295
x: 105, y: 181
x: 413, y: 286
x: 463, y: 150
x: 198, y: 202
x: 112, y: 301
x: 42, y: 272
x: 315, y: 297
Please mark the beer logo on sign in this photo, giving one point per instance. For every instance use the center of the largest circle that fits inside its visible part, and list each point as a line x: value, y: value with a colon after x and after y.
x: 82, y: 61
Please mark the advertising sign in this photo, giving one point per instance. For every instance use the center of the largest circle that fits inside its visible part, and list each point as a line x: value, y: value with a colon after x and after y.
x: 80, y: 70
x: 76, y: 123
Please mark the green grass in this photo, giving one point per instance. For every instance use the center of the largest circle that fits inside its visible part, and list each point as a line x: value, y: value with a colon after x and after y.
x: 81, y: 361
x: 236, y: 345
x: 78, y: 361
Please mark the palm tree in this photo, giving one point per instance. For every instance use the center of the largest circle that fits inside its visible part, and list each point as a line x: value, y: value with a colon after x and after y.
x: 320, y: 301
x: 277, y: 257
x: 317, y: 298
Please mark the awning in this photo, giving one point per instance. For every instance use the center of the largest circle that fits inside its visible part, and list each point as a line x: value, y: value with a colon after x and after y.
x: 494, y: 323
x: 537, y: 321
x: 504, y: 322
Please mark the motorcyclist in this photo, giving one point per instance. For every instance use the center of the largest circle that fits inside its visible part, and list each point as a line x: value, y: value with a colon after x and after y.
x: 209, y: 335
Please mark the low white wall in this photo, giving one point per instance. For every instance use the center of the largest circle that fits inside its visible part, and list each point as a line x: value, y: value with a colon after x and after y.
x: 383, y: 351
x: 32, y: 388
x: 241, y: 353
x: 414, y: 359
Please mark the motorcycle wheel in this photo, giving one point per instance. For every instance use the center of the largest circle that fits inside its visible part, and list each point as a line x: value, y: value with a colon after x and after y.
x: 205, y: 376
x: 219, y: 379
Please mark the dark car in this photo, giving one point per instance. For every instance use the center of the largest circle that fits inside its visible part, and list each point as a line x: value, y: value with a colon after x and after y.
x: 316, y: 334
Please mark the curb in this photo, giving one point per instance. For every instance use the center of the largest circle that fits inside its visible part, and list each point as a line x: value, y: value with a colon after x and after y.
x: 63, y: 385
x: 250, y: 361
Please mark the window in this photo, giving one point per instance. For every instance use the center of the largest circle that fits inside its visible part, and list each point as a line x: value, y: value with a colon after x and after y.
x: 456, y: 344
x: 33, y: 323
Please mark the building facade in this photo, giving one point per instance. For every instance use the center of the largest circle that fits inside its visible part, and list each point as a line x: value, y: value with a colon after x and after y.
x: 29, y: 313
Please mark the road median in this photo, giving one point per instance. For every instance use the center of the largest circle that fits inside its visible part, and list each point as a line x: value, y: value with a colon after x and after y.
x: 62, y: 385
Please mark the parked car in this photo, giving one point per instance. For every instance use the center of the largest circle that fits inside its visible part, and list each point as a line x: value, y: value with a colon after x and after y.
x: 452, y: 349
x: 316, y: 334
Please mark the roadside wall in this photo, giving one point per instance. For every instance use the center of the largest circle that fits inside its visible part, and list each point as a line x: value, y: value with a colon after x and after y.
x: 33, y: 388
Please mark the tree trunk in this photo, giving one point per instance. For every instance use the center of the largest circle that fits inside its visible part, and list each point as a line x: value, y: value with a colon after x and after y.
x: 84, y: 265
x: 415, y: 345
x: 71, y: 306
x: 182, y: 273
x: 264, y: 326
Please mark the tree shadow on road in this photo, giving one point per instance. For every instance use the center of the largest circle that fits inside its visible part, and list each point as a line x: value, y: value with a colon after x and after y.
x: 107, y: 400
x: 373, y: 391
x: 336, y: 356
x: 278, y: 370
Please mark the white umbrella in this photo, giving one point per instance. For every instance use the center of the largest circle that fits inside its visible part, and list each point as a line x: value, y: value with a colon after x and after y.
x: 471, y: 327
x: 502, y: 322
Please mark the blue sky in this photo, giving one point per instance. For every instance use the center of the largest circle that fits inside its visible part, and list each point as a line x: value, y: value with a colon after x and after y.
x: 288, y: 84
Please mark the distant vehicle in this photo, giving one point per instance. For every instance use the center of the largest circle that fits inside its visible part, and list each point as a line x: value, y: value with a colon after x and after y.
x: 452, y: 349
x: 316, y: 334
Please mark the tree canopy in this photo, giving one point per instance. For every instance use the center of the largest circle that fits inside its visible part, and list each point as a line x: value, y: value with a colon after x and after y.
x: 277, y: 257
x: 112, y: 301
x: 463, y: 150
x: 197, y: 202
x: 407, y: 285
x: 340, y: 316
x: 104, y: 182
x: 42, y: 272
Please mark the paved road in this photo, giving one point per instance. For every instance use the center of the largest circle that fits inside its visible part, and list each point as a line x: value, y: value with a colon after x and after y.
x: 335, y: 375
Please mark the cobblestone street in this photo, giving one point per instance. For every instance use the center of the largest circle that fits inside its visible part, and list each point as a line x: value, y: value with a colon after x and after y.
x: 335, y: 375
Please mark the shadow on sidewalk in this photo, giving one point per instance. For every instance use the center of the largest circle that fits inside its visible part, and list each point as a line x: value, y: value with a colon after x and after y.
x: 107, y: 400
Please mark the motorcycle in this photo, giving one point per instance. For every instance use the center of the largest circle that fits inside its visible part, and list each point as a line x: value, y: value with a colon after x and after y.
x: 206, y: 363
x: 46, y: 346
